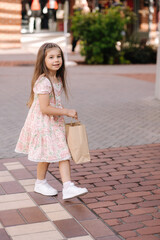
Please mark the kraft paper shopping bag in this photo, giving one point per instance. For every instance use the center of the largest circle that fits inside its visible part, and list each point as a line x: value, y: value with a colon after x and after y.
x: 77, y: 142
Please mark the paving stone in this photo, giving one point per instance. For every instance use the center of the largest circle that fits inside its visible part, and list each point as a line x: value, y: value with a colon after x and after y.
x: 101, y: 204
x: 137, y: 218
x: 89, y: 200
x: 21, y: 174
x: 129, y: 200
x: 146, y: 188
x: 80, y: 212
x: 140, y: 211
x: 28, y: 184
x: 40, y: 236
x: 96, y: 228
x: 101, y: 210
x: 2, y: 167
x: 70, y: 228
x: 109, y: 238
x: 149, y: 203
x: 137, y: 194
x: 156, y: 215
x: 128, y: 226
x: 5, y: 176
x: 113, y: 222
x: 93, y: 195
x: 149, y: 237
x: 12, y: 187
x: 40, y: 199
x: 154, y: 222
x: 152, y: 197
x: 102, y: 189
x: 14, y: 165
x: 81, y: 238
x: 14, y: 197
x: 11, y: 218
x: 66, y: 203
x: 55, y: 212
x: 15, y: 201
x: 52, y: 208
x: 16, y: 204
x: 114, y: 215
x: 111, y: 198
x: 2, y: 192
x: 4, y: 235
x: 30, y: 228
x: 26, y: 162
x: 33, y: 215
x: 59, y: 215
x: 149, y: 230
x: 122, y: 207
x: 128, y: 234
x: 55, y: 184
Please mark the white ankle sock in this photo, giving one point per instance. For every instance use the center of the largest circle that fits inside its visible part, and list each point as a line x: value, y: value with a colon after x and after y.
x: 41, y: 181
x: 66, y: 184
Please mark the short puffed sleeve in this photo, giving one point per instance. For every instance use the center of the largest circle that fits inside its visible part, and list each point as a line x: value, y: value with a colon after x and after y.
x: 42, y: 86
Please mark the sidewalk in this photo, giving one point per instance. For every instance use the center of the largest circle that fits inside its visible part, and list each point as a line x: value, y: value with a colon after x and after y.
x: 123, y: 200
x: 26, y: 215
x: 123, y: 178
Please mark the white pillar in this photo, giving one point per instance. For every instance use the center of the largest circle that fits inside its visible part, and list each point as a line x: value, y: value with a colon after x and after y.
x: 151, y: 12
x: 157, y: 85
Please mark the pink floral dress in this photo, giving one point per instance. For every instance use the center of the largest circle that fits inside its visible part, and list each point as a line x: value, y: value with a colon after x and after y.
x: 43, y: 137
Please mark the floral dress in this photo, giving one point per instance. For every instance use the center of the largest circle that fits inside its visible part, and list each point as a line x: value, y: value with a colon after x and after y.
x: 43, y: 137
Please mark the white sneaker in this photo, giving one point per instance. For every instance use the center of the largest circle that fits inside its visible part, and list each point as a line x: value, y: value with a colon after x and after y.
x: 73, y: 191
x: 45, y: 189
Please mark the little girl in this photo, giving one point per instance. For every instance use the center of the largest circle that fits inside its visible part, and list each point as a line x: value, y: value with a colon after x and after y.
x: 43, y: 135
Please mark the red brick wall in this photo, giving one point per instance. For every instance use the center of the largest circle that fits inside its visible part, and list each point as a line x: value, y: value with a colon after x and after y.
x: 10, y: 23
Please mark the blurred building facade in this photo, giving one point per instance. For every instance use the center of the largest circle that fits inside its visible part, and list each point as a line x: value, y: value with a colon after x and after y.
x: 15, y: 17
x: 10, y: 23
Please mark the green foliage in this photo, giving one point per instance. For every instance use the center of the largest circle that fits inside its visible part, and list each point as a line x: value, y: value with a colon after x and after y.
x: 122, y: 59
x: 99, y: 34
x: 140, y: 54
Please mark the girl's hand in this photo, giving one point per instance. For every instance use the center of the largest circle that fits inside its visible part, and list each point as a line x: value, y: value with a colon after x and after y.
x: 72, y: 113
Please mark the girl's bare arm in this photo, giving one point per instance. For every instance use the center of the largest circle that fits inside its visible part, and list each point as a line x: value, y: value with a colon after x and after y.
x: 47, y: 109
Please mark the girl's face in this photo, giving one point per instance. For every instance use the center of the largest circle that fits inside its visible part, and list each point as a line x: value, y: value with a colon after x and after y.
x: 53, y: 59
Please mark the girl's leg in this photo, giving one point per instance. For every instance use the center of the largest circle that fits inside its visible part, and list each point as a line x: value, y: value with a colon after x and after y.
x: 42, y: 168
x: 41, y: 185
x: 65, y: 170
x: 69, y: 189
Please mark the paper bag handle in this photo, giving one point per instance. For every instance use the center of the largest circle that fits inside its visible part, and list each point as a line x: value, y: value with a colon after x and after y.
x: 76, y: 121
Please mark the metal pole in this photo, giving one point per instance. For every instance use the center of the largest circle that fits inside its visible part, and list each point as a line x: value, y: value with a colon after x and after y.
x: 66, y: 11
x: 157, y: 85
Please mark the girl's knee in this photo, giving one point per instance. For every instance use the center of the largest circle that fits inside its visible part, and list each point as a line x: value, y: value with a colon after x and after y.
x: 43, y: 164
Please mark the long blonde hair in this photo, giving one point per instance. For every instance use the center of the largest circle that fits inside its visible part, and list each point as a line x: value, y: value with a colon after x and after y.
x: 40, y: 68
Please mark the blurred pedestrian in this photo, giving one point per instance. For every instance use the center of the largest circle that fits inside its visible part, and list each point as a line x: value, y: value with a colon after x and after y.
x: 81, y: 6
x: 35, y: 16
x: 52, y: 6
x: 43, y: 135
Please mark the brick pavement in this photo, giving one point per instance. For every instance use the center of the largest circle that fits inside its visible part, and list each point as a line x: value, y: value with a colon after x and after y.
x: 150, y: 77
x: 124, y: 189
x: 123, y: 200
x: 25, y: 215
